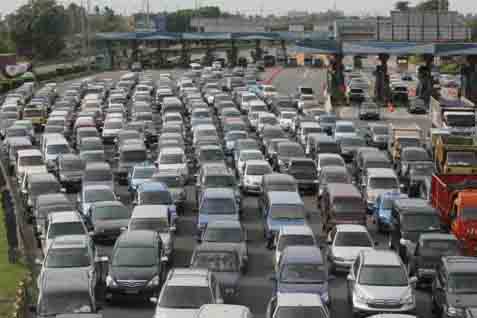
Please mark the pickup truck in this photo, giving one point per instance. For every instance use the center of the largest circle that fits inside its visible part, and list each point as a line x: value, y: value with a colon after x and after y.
x: 456, y: 155
x: 455, y: 198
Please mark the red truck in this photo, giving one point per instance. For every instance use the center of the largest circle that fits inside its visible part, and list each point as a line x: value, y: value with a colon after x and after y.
x: 455, y: 197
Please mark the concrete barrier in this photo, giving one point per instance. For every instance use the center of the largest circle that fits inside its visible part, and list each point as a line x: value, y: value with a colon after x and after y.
x: 328, y: 105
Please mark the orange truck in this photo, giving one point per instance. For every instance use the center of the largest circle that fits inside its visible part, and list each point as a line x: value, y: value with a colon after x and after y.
x: 455, y: 197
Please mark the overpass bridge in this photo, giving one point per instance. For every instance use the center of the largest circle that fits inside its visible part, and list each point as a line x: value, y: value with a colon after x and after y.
x: 316, y: 43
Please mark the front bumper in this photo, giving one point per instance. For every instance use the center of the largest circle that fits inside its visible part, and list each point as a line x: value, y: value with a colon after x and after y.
x: 132, y: 288
x: 367, y: 309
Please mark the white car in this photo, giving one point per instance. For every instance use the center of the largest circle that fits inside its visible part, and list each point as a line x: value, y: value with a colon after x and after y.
x: 296, y: 305
x: 345, y: 242
x: 344, y: 128
x: 253, y: 173
x: 292, y: 235
x: 248, y: 154
x: 286, y: 119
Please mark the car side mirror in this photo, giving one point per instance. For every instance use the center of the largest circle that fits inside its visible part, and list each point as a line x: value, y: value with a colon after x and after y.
x: 350, y: 278
x: 220, y: 301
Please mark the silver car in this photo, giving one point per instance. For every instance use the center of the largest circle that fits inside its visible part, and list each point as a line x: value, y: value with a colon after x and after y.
x: 378, y: 282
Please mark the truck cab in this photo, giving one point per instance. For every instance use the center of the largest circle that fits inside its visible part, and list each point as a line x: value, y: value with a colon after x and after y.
x: 456, y: 155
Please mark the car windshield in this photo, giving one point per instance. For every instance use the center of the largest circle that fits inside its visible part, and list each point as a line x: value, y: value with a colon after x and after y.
x: 65, y: 228
x: 65, y: 302
x: 218, y: 206
x: 58, y: 149
x: 258, y: 170
x: 251, y: 155
x: 380, y: 130
x: 211, y: 155
x: 223, y: 235
x: 98, y: 195
x: 415, y: 155
x: 331, y: 161
x: 293, y: 240
x: 383, y: 276
x: 348, y: 205
x: 345, y: 129
x: 97, y: 175
x: 72, y: 165
x: 290, y: 151
x: 308, y: 166
x: 170, y: 159
x: 160, y: 225
x: 112, y: 212
x: 463, y: 283
x: 113, y: 124
x: 409, y: 142
x: 300, y: 312
x: 143, y: 173
x: 67, y: 257
x: 288, y: 115
x: 383, y: 183
x: 220, y: 181
x: 216, y: 261
x: 303, y: 273
x: 31, y: 161
x: 155, y: 197
x: 338, y: 177
x: 134, y: 156
x: 287, y: 211
x: 461, y: 158
x: 352, y: 142
x: 135, y: 257
x: 440, y: 247
x: 352, y: 239
x: 420, y: 222
x: 185, y: 297
x: 460, y: 120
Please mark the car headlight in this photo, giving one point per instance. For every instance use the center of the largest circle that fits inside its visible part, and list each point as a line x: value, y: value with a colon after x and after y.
x: 408, y: 299
x: 325, y: 297
x: 110, y: 281
x: 154, y: 281
x: 360, y: 297
x: 454, y: 311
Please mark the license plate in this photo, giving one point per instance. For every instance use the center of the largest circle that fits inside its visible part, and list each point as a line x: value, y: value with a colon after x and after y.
x: 131, y: 292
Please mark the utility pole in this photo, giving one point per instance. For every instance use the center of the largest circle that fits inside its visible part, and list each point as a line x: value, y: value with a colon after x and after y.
x: 88, y: 35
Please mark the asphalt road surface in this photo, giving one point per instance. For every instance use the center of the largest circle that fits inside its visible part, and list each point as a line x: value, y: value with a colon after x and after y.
x: 255, y: 286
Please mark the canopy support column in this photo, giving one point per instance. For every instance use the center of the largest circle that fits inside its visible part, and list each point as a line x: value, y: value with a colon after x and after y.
x: 336, y: 87
x: 381, y: 86
x: 469, y: 78
x: 425, y: 86
x: 232, y: 56
x: 258, y: 51
x: 185, y: 56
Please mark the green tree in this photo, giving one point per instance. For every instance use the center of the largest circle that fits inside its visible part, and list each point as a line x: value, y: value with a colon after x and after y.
x: 108, y: 21
x: 402, y: 5
x: 434, y: 5
x: 39, y: 28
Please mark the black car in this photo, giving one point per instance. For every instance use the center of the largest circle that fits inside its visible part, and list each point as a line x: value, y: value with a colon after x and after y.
x: 429, y: 250
x: 305, y: 173
x: 410, y: 156
x: 68, y: 168
x: 454, y: 288
x: 137, y: 265
x: 369, y: 110
x: 409, y: 219
x: 107, y: 219
x: 417, y: 106
x: 285, y: 152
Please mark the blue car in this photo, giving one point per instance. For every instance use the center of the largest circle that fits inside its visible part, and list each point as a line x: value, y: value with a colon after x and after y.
x: 302, y: 269
x: 382, y: 209
x: 157, y: 193
x: 281, y: 208
x: 216, y: 204
x: 138, y: 175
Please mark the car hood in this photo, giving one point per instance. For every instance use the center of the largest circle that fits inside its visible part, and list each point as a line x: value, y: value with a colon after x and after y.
x: 276, y: 224
x: 241, y: 248
x: 175, y: 313
x: 209, y: 218
x: 318, y: 288
x: 227, y: 279
x: 133, y: 273
x: 462, y: 300
x: 100, y: 225
x: 384, y: 292
x: 348, y: 253
x: 177, y: 166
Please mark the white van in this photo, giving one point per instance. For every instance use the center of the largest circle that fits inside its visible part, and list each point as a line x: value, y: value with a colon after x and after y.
x: 53, y: 146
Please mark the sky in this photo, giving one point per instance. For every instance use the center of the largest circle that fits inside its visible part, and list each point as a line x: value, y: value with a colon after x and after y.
x: 251, y: 7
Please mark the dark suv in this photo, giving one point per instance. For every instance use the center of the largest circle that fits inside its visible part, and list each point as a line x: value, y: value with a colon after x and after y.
x: 454, y: 288
x: 305, y: 173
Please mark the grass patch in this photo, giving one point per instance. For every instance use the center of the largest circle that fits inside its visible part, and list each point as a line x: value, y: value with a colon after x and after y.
x: 10, y: 274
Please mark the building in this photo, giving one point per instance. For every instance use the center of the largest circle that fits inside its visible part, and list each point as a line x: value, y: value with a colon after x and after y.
x: 229, y: 24
x: 354, y: 29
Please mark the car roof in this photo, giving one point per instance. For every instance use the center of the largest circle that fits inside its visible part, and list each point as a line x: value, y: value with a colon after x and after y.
x: 284, y: 197
x: 227, y: 224
x: 71, y: 241
x: 222, y: 310
x: 413, y: 205
x: 150, y: 211
x: 298, y: 299
x: 437, y: 236
x: 380, y: 172
x: 301, y: 254
x: 296, y: 230
x: 137, y: 238
x: 329, y: 155
x: 381, y: 257
x: 258, y: 162
x: 108, y: 203
x: 28, y: 152
x: 188, y: 277
x: 351, y: 228
x: 213, y: 193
